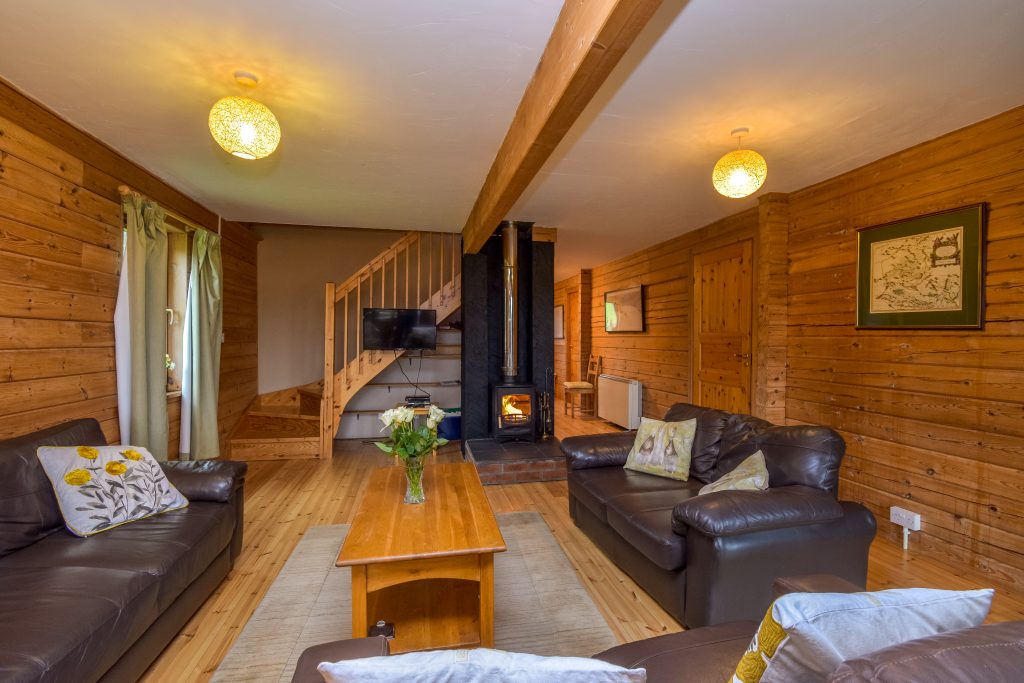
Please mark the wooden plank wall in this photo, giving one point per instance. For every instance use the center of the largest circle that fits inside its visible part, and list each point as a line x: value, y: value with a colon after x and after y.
x: 60, y: 237
x: 659, y: 357
x: 561, y: 368
x: 934, y: 420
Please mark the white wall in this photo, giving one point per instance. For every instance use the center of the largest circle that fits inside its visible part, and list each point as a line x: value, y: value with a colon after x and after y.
x: 293, y: 265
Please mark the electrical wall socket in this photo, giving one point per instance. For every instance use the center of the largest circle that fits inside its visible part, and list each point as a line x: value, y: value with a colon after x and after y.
x: 905, y: 518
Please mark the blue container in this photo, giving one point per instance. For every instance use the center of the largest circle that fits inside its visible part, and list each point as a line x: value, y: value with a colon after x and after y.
x: 450, y: 427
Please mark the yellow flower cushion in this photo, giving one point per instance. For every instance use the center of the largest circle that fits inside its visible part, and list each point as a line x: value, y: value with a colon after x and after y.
x: 805, y: 636
x: 663, y: 448
x: 749, y: 475
x: 101, y: 487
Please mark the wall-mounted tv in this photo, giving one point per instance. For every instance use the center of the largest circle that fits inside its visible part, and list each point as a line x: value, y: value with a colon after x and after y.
x: 399, y: 328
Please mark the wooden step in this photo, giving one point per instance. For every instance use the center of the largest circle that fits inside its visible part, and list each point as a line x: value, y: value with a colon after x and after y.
x: 284, y: 411
x: 274, y: 427
x: 274, y: 449
x: 275, y: 436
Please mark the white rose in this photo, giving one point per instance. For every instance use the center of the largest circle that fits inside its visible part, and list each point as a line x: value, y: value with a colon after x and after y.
x: 388, y: 418
x: 405, y: 414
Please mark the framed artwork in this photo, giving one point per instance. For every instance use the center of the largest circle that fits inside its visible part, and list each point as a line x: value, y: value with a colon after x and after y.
x: 922, y: 272
x: 559, y: 322
x: 624, y: 310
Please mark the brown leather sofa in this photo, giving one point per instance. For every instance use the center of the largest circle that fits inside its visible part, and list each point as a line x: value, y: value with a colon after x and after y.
x: 993, y: 653
x: 103, y: 608
x: 711, y: 559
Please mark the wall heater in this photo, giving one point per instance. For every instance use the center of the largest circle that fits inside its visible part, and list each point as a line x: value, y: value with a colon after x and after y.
x: 619, y: 400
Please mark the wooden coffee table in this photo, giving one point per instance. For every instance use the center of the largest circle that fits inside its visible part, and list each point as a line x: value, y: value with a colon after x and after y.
x: 427, y: 568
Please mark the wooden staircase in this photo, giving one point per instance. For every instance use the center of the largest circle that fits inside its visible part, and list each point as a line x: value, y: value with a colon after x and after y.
x: 282, y: 425
x: 420, y: 270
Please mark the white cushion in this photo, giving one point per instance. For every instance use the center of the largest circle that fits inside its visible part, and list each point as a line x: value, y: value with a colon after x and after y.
x: 101, y: 487
x: 805, y: 636
x: 749, y: 475
x: 477, y: 666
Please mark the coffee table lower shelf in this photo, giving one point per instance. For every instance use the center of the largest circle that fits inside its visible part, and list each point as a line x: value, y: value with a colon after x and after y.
x: 434, y: 603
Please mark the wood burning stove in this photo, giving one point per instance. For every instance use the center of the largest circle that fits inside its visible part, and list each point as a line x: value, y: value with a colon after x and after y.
x: 515, y: 411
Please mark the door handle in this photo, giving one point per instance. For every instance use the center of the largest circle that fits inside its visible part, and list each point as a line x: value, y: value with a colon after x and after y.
x: 745, y: 357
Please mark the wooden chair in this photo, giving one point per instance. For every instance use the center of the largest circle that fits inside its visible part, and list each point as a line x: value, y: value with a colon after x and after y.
x: 581, y: 390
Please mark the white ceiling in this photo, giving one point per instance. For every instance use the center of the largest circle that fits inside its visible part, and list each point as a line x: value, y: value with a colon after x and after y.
x: 392, y: 110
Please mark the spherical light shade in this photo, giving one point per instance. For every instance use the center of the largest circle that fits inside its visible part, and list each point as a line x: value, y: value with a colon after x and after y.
x: 244, y: 127
x: 739, y: 173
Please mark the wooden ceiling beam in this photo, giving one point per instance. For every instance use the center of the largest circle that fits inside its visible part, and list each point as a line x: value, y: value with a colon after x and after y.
x: 587, y: 42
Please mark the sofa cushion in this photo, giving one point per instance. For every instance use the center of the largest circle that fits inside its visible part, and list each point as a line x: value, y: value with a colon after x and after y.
x: 662, y: 448
x: 28, y: 508
x: 805, y: 455
x: 102, y: 487
x: 174, y: 548
x: 749, y: 475
x: 594, y: 487
x: 707, y: 439
x: 806, y: 636
x: 644, y: 520
x: 70, y: 623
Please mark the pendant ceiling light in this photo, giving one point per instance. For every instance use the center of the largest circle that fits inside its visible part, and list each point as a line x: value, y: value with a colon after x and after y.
x: 740, y: 172
x: 244, y: 127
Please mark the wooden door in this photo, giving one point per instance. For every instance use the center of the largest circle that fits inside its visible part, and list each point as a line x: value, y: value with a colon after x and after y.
x: 722, y: 296
x: 572, y: 335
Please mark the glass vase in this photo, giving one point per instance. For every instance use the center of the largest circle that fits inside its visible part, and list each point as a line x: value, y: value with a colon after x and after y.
x: 414, y: 480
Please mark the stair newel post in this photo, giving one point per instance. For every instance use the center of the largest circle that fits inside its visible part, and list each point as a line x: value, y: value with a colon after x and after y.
x: 419, y: 269
x: 394, y: 282
x: 430, y: 267
x: 408, y: 252
x: 359, y: 325
x: 327, y: 416
x: 344, y: 341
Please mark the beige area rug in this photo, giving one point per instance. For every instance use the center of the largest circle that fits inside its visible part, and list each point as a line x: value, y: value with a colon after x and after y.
x: 540, y: 606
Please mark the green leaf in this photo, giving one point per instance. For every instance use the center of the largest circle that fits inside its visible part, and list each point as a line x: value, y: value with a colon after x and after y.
x: 387, y: 448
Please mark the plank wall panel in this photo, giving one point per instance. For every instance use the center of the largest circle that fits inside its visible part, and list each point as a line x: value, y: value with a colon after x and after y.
x: 660, y: 356
x: 561, y: 374
x: 60, y: 237
x: 932, y: 419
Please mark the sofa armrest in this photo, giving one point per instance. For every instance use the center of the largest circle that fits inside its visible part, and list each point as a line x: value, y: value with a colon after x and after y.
x: 339, y: 650
x: 730, y: 513
x: 990, y: 652
x: 209, y: 480
x: 597, y: 450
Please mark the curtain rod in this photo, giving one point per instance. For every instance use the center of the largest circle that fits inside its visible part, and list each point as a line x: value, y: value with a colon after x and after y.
x: 124, y: 189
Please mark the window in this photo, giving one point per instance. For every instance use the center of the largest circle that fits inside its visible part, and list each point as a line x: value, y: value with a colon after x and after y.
x: 179, y: 246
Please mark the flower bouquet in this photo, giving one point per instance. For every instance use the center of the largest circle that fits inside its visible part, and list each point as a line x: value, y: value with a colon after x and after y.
x: 412, y: 444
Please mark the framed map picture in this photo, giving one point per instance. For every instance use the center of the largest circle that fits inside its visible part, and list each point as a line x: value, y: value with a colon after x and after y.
x: 922, y: 272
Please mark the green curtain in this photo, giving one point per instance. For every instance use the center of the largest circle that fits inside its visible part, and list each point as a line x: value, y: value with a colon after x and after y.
x: 203, y: 338
x: 146, y: 264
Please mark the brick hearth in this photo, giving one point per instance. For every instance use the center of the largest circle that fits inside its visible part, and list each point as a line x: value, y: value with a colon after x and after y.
x: 515, y: 462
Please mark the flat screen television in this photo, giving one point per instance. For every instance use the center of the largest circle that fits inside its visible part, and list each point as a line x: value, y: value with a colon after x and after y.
x: 399, y: 328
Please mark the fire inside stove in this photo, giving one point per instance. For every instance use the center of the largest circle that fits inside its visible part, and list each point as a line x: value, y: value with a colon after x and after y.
x: 515, y: 409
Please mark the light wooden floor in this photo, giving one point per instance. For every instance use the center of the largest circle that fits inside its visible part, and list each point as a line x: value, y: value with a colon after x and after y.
x: 283, y: 499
